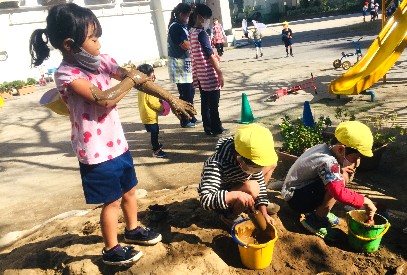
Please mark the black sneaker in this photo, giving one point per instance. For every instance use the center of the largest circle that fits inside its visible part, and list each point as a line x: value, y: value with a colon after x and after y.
x: 142, y: 235
x: 121, y: 255
x: 159, y: 154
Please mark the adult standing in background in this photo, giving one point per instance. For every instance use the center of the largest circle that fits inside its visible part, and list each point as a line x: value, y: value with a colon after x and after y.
x: 244, y: 28
x: 179, y: 61
x: 207, y: 74
x: 218, y: 36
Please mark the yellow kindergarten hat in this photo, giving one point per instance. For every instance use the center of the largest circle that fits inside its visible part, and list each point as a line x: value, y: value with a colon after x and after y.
x: 256, y: 143
x: 285, y: 23
x: 356, y: 135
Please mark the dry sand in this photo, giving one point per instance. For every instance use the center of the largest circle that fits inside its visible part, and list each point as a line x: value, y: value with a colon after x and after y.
x: 40, y: 179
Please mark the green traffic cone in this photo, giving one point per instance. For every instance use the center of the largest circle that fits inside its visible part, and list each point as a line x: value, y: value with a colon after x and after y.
x: 246, y: 113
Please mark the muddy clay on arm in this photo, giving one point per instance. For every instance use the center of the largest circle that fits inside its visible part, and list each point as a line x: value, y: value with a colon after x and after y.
x: 130, y: 79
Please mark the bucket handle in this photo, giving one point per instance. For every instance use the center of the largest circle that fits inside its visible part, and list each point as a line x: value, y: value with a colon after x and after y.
x: 368, y: 239
x: 232, y: 232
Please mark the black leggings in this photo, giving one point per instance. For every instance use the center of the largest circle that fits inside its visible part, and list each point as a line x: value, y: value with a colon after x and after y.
x: 186, y: 93
x: 219, y: 48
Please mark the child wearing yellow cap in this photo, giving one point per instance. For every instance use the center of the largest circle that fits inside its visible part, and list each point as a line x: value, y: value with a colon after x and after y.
x: 317, y: 180
x: 233, y: 178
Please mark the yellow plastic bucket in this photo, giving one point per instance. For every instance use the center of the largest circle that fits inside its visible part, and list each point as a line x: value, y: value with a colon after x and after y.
x: 253, y: 256
x: 53, y: 101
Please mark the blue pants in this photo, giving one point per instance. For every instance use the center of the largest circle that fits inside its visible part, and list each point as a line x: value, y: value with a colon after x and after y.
x: 186, y: 93
x: 210, y: 111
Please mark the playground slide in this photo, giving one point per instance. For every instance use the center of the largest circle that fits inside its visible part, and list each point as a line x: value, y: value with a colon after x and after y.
x: 379, y: 58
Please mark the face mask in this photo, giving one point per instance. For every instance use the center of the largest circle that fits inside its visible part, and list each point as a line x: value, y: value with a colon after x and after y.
x: 206, y: 23
x: 87, y: 60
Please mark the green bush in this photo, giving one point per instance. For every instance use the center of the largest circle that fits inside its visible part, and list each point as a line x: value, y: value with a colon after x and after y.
x: 6, y: 86
x: 17, y: 84
x: 297, y: 137
x: 31, y: 81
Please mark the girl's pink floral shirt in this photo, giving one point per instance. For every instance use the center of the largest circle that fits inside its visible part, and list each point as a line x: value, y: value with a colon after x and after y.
x: 97, y: 134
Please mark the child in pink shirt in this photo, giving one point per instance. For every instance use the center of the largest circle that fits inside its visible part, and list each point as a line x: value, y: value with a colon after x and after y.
x: 84, y: 83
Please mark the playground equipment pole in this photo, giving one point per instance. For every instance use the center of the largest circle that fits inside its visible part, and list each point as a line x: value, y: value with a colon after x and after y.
x: 384, y: 9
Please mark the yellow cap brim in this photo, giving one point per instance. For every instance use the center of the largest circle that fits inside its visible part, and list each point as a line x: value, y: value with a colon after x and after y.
x: 368, y: 153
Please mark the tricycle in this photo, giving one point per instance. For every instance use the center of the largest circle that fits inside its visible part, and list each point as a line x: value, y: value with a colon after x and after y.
x: 346, y: 64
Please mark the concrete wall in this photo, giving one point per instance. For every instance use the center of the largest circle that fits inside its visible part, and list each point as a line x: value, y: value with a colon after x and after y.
x: 220, y: 10
x: 132, y: 31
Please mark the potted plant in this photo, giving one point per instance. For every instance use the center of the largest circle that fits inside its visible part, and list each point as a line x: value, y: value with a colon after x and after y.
x: 24, y: 87
x: 297, y: 137
x: 5, y: 90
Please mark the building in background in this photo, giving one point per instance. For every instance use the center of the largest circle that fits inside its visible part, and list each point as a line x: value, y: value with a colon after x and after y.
x: 133, y: 31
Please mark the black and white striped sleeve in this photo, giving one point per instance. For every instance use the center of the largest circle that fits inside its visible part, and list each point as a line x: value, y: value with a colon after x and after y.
x: 262, y: 198
x: 211, y: 195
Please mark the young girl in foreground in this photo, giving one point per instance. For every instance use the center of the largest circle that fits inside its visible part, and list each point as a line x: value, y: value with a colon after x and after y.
x: 84, y: 82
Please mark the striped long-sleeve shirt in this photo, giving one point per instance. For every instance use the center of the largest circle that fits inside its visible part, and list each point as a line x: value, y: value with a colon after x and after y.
x: 203, y: 73
x: 220, y: 173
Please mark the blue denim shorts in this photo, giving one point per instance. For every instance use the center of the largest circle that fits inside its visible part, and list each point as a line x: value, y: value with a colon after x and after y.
x: 107, y: 181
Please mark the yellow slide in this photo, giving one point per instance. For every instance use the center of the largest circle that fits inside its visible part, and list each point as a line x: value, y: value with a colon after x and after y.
x: 379, y: 58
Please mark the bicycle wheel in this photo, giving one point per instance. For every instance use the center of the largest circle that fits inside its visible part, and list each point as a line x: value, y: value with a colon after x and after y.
x: 346, y: 65
x: 337, y: 63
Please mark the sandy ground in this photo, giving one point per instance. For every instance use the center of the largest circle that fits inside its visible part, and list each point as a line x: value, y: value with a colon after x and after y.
x: 40, y: 179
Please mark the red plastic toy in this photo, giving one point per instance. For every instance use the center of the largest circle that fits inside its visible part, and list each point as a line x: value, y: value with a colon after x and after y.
x: 293, y: 90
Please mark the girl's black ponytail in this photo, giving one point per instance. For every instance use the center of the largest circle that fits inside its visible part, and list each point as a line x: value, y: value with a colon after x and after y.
x: 173, y: 17
x: 180, y: 8
x: 39, y: 49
